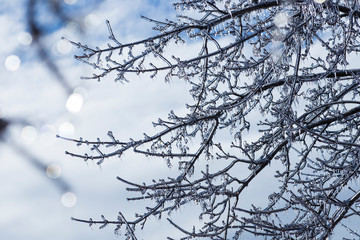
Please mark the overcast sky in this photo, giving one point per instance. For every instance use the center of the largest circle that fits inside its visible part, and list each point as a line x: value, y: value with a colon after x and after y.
x: 31, y: 205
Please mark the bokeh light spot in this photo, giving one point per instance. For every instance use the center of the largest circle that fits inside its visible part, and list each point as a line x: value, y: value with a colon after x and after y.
x: 68, y: 199
x: 24, y: 38
x: 53, y: 171
x: 91, y: 20
x: 63, y: 46
x: 12, y: 63
x: 74, y: 103
x: 66, y: 129
x: 28, y: 134
x: 72, y: 27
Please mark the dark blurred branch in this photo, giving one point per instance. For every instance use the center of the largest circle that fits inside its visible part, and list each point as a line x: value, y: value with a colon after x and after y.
x: 59, y: 182
x: 37, y: 34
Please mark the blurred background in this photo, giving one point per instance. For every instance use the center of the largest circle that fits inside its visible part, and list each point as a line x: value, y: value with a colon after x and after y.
x: 41, y: 95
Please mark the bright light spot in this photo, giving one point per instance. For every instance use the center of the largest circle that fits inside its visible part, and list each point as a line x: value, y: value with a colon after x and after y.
x: 53, y: 171
x: 74, y: 103
x: 91, y: 20
x: 319, y: 1
x: 63, y: 46
x: 70, y: 2
x: 28, y: 134
x: 281, y: 20
x: 12, y: 63
x: 47, y: 134
x: 66, y: 129
x: 24, y: 38
x: 68, y: 199
x: 72, y: 27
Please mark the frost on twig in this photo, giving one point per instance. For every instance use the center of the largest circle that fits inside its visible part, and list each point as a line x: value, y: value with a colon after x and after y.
x: 275, y: 87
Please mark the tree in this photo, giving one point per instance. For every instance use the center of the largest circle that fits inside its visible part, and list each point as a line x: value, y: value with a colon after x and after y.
x: 279, y: 78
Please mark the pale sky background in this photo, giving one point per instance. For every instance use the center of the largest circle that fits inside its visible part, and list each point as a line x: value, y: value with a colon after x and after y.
x: 31, y: 206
